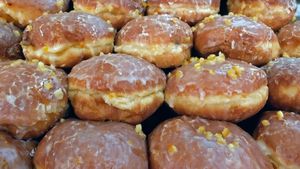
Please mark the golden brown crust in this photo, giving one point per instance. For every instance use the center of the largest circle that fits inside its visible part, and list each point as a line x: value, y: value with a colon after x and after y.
x: 162, y: 39
x: 238, y: 37
x: 83, y: 144
x: 117, y: 12
x: 284, y: 83
x: 33, y: 97
x: 10, y: 37
x: 274, y: 13
x: 277, y: 137
x: 217, y: 89
x: 190, y: 11
x: 65, y: 39
x: 116, y: 87
x: 289, y: 39
x: 23, y: 12
x: 15, y: 154
x: 187, y: 142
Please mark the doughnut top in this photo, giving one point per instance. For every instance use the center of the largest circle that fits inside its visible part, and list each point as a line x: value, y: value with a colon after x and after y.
x: 127, y: 4
x: 216, y: 76
x: 284, y: 70
x: 42, y: 5
x: 280, y: 132
x: 65, y: 28
x: 195, y: 3
x: 187, y: 142
x: 289, y: 4
x: 10, y: 37
x: 232, y: 30
x: 116, y: 72
x: 289, y: 32
x: 156, y: 29
x: 98, y: 145
x: 29, y: 92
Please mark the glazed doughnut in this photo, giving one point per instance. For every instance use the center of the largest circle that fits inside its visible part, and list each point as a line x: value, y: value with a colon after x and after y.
x: 161, y: 39
x: 190, y: 11
x: 190, y: 143
x: 15, y: 154
x: 116, y: 87
x: 116, y: 12
x: 238, y: 37
x: 274, y: 13
x: 216, y: 88
x: 65, y: 39
x: 10, y: 37
x: 32, y: 97
x: 23, y: 12
x: 284, y: 83
x: 289, y: 39
x: 277, y: 136
x: 91, y: 145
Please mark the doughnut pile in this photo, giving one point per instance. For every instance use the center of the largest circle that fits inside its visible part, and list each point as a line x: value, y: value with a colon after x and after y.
x: 149, y: 84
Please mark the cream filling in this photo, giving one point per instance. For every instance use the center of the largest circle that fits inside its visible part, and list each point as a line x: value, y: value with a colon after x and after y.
x: 124, y: 101
x: 151, y: 50
x: 59, y: 53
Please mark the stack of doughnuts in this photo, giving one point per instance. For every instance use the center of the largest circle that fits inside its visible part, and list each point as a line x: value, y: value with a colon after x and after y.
x: 82, y: 80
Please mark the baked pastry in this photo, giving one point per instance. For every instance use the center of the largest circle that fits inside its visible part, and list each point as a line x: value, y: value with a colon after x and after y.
x: 116, y: 87
x: 10, y: 37
x: 216, y: 88
x: 32, y: 97
x: 289, y: 39
x: 161, y: 39
x: 65, y: 39
x: 238, y: 37
x: 116, y: 12
x: 277, y: 136
x: 190, y: 11
x: 23, y: 12
x: 284, y: 83
x: 190, y: 143
x: 274, y: 13
x: 15, y: 154
x: 92, y: 145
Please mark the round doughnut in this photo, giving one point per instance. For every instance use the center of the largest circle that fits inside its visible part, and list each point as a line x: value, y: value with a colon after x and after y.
x: 160, y: 39
x: 274, y: 13
x: 189, y: 11
x: 284, y: 83
x: 65, y: 39
x: 190, y: 143
x: 216, y: 88
x: 289, y: 39
x: 277, y: 136
x: 23, y: 12
x: 32, y: 97
x: 116, y: 87
x: 10, y: 38
x: 238, y: 37
x: 116, y: 12
x: 83, y: 144
x: 15, y: 154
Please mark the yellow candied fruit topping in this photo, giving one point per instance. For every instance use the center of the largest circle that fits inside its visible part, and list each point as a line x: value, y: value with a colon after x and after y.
x: 29, y: 28
x: 212, y: 72
x: 208, y: 135
x: 209, y: 18
x: 201, y: 130
x: 220, y: 139
x: 294, y: 18
x: 235, y: 72
x: 42, y: 67
x: 59, y: 3
x: 265, y: 123
x: 236, y: 143
x: 226, y: 132
x: 17, y: 33
x: 178, y: 74
x: 285, y: 55
x: 48, y: 85
x: 197, y: 66
x: 239, y: 70
x: 139, y: 130
x: 172, y: 149
x: 59, y: 94
x: 16, y: 62
x: 231, y: 73
x: 46, y: 48
x: 280, y: 115
x: 255, y: 18
x: 227, y: 22
x: 211, y: 59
